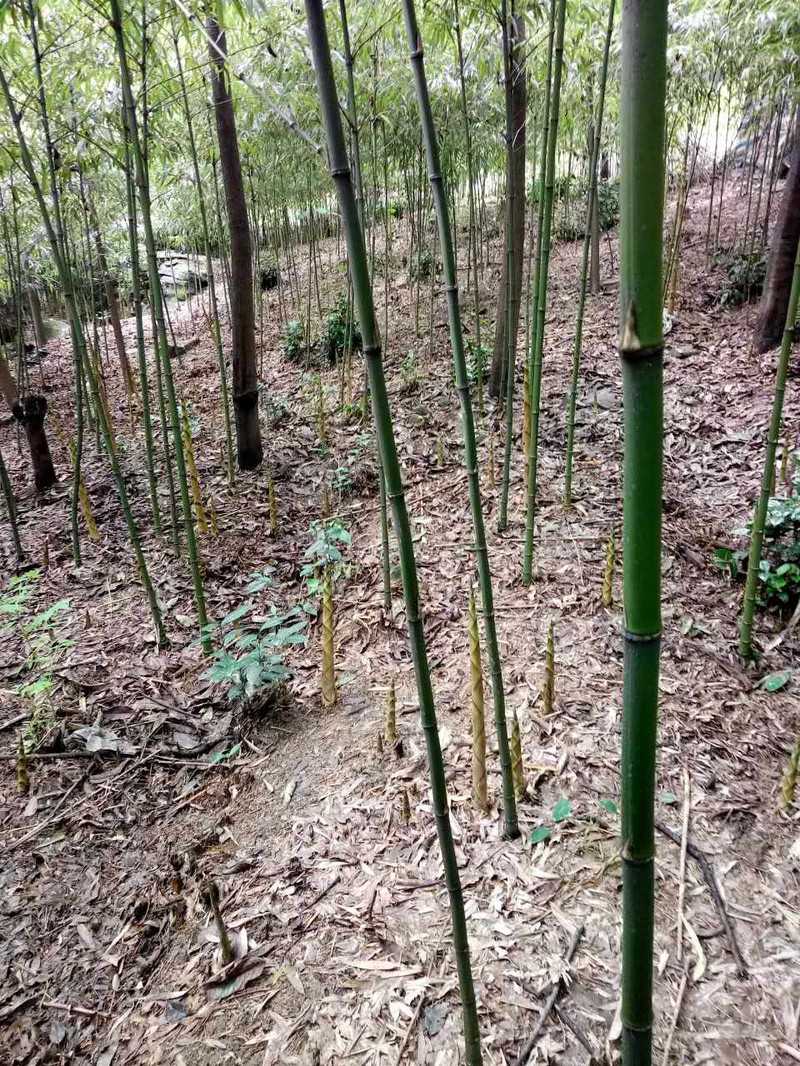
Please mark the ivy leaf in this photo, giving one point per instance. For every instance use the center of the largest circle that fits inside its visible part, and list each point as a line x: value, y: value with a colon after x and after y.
x: 609, y: 805
x: 540, y: 833
x: 562, y: 810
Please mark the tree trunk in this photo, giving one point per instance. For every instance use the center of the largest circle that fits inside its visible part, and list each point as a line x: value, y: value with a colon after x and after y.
x: 8, y: 389
x: 31, y: 414
x: 243, y: 338
x: 516, y: 174
x: 775, y: 301
x: 36, y: 317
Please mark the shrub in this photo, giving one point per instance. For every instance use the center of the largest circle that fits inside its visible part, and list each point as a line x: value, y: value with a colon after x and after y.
x: 746, y: 276
x: 779, y: 572
x: 250, y: 659
x: 333, y: 340
x: 421, y: 267
x: 293, y: 344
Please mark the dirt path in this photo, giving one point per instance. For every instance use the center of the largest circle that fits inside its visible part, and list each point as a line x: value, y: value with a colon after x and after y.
x: 337, y: 902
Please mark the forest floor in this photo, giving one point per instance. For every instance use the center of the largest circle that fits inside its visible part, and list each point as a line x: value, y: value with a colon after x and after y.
x: 108, y: 953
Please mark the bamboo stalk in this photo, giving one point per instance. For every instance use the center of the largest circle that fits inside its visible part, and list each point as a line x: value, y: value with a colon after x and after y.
x: 773, y: 436
x: 467, y: 421
x: 540, y: 299
x: 328, y: 659
x: 480, y: 795
x: 591, y: 212
x: 11, y: 510
x: 340, y: 172
x: 644, y: 43
x: 391, y: 714
x: 158, y: 311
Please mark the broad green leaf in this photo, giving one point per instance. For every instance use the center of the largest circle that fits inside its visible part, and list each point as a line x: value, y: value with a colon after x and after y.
x: 562, y: 810
x: 540, y: 833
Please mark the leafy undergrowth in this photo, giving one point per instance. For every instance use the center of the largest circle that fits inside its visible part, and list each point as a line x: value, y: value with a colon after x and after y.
x: 334, y: 901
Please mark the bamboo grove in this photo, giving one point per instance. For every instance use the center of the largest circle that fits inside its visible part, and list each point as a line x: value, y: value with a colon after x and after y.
x: 293, y: 165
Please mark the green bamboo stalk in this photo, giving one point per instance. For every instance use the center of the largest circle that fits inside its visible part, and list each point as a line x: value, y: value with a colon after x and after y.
x: 473, y: 228
x: 133, y: 244
x: 57, y: 245
x: 158, y: 310
x: 386, y: 570
x: 773, y: 436
x: 510, y: 341
x: 643, y: 90
x: 541, y: 287
x: 591, y: 208
x: 340, y: 171
x: 480, y: 795
x: 11, y: 510
x: 467, y: 421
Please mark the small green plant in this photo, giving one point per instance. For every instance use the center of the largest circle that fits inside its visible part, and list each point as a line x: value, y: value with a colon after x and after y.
x: 421, y: 266
x: 574, y: 228
x: 293, y: 342
x: 409, y: 373
x: 779, y: 569
x: 561, y: 812
x: 42, y: 644
x: 338, y: 325
x: 353, y: 473
x: 323, y: 553
x: 746, y: 276
x: 477, y: 361
x: 250, y: 659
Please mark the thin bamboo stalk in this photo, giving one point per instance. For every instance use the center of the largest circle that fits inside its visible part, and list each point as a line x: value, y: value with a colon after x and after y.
x: 340, y: 172
x: 467, y: 421
x: 773, y: 436
x: 591, y: 210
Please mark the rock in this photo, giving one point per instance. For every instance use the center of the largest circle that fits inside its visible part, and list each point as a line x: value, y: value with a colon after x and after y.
x: 179, y: 274
x: 604, y: 398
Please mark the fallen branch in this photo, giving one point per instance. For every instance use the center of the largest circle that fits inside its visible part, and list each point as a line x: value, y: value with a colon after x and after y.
x: 711, y: 880
x: 51, y: 818
x: 555, y: 991
x: 575, y: 1029
x: 674, y: 1024
x: 14, y: 721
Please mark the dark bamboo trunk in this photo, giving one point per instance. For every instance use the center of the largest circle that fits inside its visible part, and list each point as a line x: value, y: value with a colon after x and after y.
x: 31, y: 412
x: 775, y: 301
x: 243, y: 338
x: 516, y: 175
x: 37, y: 321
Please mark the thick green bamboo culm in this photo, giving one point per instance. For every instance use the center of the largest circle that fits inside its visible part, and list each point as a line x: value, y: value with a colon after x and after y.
x: 11, y: 510
x: 357, y: 254
x: 641, y: 349
x: 591, y: 207
x: 467, y: 421
x: 773, y: 436
x: 158, y: 311
x: 541, y: 288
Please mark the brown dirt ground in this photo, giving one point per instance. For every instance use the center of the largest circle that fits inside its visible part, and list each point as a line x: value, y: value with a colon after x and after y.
x: 338, y: 906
